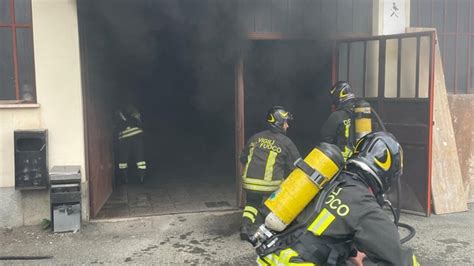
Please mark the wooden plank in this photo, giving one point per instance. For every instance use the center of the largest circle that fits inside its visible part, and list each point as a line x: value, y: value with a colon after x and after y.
x: 462, y: 115
x: 446, y: 181
x: 470, y: 166
x: 239, y: 127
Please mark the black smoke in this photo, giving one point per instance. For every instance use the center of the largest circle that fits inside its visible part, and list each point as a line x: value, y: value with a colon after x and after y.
x: 175, y: 59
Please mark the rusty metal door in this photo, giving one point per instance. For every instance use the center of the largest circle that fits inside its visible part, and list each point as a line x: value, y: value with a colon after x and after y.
x: 98, y: 127
x: 100, y: 161
x: 395, y: 73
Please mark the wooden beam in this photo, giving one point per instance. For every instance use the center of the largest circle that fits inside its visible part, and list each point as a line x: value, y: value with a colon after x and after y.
x: 239, y: 126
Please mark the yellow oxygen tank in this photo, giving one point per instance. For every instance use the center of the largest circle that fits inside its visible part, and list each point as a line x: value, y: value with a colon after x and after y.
x: 325, y: 161
x: 363, y: 119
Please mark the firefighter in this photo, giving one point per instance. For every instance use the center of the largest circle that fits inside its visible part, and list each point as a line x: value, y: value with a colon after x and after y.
x: 339, y: 128
x: 130, y: 142
x: 350, y: 217
x: 268, y: 157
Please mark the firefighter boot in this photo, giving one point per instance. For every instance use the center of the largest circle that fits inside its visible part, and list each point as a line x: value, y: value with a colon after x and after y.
x: 244, y: 232
x: 124, y: 177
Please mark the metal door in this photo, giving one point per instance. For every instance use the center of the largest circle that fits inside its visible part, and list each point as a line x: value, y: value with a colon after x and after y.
x: 97, y: 121
x: 395, y: 73
x: 100, y: 166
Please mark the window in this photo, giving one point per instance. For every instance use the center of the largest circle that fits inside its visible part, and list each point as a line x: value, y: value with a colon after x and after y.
x: 17, y: 75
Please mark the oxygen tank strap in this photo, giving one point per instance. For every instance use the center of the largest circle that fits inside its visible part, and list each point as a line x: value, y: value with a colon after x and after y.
x: 324, y: 193
x: 306, y: 168
x: 318, y: 179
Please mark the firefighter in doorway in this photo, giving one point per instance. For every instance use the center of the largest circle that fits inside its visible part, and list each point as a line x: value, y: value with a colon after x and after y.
x: 130, y: 142
x: 350, y: 217
x: 268, y: 157
x: 339, y: 128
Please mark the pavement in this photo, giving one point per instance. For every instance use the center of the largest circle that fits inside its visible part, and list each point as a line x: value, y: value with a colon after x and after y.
x: 207, y: 238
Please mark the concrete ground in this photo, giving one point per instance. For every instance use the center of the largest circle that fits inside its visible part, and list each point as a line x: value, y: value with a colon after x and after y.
x: 173, y: 195
x: 208, y: 238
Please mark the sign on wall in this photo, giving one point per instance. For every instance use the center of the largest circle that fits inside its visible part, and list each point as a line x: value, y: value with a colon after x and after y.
x: 394, y: 20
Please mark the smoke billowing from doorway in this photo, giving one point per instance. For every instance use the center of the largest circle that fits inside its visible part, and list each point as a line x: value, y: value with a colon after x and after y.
x: 170, y: 44
x: 175, y: 59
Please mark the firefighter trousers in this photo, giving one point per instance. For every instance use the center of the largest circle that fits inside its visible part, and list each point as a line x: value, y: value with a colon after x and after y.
x: 252, y: 210
x: 132, y: 149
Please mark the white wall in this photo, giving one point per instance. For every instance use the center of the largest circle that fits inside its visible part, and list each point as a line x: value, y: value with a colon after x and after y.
x: 59, y: 109
x: 58, y: 79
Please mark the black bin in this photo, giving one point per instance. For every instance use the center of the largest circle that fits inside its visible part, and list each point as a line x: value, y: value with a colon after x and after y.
x: 31, y: 162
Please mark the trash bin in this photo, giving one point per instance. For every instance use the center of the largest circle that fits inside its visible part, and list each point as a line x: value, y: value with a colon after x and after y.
x: 65, y: 193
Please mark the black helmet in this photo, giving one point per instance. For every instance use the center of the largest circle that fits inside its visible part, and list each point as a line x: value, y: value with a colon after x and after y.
x: 380, y: 155
x: 277, y: 115
x: 341, y: 92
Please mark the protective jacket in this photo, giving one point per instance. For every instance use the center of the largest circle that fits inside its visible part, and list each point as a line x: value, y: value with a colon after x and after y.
x: 349, y: 218
x: 339, y: 128
x: 129, y: 123
x: 268, y: 157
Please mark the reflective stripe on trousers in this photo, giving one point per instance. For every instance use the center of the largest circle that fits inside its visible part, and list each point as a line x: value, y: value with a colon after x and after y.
x: 141, y: 165
x: 250, y: 213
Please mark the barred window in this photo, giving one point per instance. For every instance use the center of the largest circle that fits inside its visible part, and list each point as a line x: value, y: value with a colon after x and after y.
x: 17, y: 75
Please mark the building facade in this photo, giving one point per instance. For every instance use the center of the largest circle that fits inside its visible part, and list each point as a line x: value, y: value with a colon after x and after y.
x: 42, y: 82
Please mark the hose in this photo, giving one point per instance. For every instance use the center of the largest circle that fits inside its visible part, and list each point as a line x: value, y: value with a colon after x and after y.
x: 396, y: 212
x: 379, y: 121
x: 25, y: 257
x: 397, y: 216
x: 410, y: 235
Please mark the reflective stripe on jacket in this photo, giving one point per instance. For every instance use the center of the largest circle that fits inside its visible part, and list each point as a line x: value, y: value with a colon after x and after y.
x: 129, y: 132
x: 268, y: 158
x: 339, y: 129
x: 350, y: 218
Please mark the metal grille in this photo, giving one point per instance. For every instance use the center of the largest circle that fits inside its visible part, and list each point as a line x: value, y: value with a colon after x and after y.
x: 395, y: 73
x: 454, y: 21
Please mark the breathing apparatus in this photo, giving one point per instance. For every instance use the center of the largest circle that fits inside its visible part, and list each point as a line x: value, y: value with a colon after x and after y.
x: 309, y: 177
x: 363, y: 119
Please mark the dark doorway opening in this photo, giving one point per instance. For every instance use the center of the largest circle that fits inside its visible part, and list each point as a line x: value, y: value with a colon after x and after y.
x: 178, y: 62
x: 175, y: 61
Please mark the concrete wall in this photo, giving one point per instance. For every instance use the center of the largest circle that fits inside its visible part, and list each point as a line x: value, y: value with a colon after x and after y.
x: 462, y: 106
x: 59, y: 109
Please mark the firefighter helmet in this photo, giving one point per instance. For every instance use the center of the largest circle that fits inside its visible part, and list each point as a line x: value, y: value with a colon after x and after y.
x: 379, y: 154
x: 277, y: 115
x: 341, y: 92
